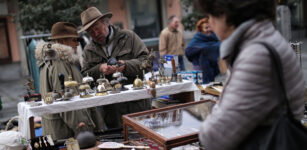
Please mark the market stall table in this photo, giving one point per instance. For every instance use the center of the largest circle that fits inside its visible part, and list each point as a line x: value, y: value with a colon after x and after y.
x: 186, y: 90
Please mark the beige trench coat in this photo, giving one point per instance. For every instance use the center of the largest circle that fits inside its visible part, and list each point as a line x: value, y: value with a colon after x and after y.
x: 63, y: 125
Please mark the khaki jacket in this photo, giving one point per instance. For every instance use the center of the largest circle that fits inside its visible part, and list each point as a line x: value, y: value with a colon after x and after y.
x: 126, y: 46
x: 171, y: 42
x: 62, y: 125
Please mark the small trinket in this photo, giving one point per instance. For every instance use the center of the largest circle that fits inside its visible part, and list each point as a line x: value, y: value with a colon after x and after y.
x: 168, y: 80
x: 144, y: 78
x: 48, y: 99
x: 105, y: 82
x: 83, y: 90
x: 158, y: 80
x: 153, y: 89
x: 70, y: 88
x: 45, y: 141
x: 31, y: 95
x: 56, y: 95
x: 122, y: 80
x: 174, y: 74
x: 114, y: 84
x: 72, y: 144
x: 36, y: 145
x: 85, y: 87
x: 40, y: 142
x: 101, y: 89
x: 179, y: 78
x: 137, y: 83
x: 87, y: 79
x: 163, y: 79
x: 116, y: 75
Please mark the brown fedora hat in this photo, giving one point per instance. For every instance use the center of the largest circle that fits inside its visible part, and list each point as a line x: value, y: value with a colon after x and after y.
x: 61, y: 30
x: 90, y: 16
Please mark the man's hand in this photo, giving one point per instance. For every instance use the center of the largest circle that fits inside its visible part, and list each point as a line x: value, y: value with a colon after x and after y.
x: 122, y: 65
x: 103, y: 68
x: 106, y: 69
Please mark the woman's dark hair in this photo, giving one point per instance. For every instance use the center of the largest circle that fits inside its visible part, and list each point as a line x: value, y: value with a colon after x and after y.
x: 238, y: 11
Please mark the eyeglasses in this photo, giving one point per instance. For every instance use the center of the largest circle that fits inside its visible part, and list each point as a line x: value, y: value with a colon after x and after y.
x: 96, y: 27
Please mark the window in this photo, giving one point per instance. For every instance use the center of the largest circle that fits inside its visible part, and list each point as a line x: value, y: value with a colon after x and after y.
x: 5, y: 55
x: 145, y: 17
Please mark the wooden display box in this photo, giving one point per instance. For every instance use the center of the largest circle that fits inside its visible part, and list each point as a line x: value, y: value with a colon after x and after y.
x: 170, y: 126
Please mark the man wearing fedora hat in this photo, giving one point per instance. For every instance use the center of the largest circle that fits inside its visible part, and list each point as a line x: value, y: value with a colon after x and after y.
x: 109, y: 42
x: 59, y: 56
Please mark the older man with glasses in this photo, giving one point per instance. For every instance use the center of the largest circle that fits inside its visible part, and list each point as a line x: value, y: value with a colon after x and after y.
x: 110, y: 42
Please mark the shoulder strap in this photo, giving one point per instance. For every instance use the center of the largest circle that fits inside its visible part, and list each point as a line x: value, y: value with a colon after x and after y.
x: 278, y: 72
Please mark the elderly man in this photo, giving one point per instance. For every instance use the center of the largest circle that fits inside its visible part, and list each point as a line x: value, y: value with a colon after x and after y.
x: 59, y: 56
x: 171, y: 41
x: 109, y: 42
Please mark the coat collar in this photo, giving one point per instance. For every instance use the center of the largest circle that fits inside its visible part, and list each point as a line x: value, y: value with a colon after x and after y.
x: 63, y: 52
x: 228, y: 45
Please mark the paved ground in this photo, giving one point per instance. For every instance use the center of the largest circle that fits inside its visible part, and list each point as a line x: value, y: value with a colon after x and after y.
x: 12, y: 91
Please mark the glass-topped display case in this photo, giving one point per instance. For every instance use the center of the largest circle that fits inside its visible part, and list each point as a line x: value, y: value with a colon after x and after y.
x: 170, y: 126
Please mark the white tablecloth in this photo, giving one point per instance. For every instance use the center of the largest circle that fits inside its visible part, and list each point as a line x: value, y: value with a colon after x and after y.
x: 25, y: 111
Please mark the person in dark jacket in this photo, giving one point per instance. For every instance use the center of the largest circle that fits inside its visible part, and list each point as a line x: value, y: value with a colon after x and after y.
x: 109, y: 42
x: 203, y: 51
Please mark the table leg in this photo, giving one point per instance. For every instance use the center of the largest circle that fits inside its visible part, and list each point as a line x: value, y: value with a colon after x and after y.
x: 125, y: 128
x: 32, y: 130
